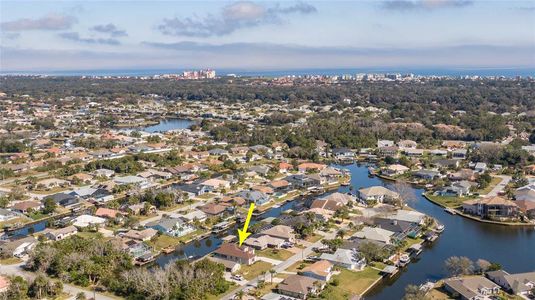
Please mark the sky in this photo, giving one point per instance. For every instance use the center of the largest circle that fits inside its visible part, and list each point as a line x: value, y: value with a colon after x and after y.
x: 265, y: 35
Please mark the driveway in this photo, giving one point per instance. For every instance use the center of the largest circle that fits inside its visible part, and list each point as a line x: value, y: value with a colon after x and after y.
x: 500, y: 186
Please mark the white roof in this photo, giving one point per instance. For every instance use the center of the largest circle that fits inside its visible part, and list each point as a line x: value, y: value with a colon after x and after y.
x: 86, y: 220
x: 375, y: 233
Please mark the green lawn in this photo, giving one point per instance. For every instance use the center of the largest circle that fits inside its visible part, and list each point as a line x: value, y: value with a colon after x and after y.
x: 449, y: 201
x: 163, y: 241
x: 254, y: 270
x: 232, y: 286
x: 355, y: 283
x: 278, y: 254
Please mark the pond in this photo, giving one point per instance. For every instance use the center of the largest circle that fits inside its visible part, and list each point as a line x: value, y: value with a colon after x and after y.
x: 167, y: 125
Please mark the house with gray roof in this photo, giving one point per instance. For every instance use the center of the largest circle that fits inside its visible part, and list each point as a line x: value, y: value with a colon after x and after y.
x: 171, y: 226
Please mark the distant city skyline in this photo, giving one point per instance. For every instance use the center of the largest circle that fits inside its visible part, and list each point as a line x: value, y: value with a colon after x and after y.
x: 265, y: 35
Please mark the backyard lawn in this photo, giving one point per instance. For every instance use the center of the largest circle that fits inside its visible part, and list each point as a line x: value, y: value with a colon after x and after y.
x: 356, y: 283
x: 449, y: 201
x: 254, y: 270
x: 278, y: 254
x: 492, y: 184
x: 164, y: 241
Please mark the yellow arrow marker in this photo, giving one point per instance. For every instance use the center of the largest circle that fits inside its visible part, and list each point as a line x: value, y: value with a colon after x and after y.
x: 243, y: 234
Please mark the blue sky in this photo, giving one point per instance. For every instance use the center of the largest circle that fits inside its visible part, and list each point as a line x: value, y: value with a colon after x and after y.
x: 70, y: 35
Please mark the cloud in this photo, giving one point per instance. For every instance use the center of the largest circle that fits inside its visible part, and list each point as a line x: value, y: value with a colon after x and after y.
x: 110, y: 29
x: 74, y: 36
x: 405, y: 5
x: 267, y: 56
x: 49, y: 22
x: 232, y: 17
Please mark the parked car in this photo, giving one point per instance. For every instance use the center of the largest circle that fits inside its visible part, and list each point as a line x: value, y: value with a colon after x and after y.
x: 237, y: 277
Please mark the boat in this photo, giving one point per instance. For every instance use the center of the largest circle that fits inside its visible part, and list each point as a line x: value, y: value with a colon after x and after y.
x: 404, y: 259
x: 439, y: 228
x: 450, y: 210
x: 426, y: 287
x: 220, y: 227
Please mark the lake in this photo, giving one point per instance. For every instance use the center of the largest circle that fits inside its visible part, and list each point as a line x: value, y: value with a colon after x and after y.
x: 167, y: 125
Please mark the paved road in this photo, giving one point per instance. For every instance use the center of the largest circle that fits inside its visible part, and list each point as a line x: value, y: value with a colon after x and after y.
x: 16, y: 270
x: 282, y: 266
x: 500, y: 186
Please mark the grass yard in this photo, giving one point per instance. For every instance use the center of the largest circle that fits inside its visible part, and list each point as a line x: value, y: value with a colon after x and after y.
x: 355, y: 283
x: 278, y: 254
x: 449, y: 201
x: 411, y: 242
x: 296, y: 267
x: 10, y: 261
x: 313, y: 238
x: 89, y: 234
x: 164, y: 241
x: 254, y: 270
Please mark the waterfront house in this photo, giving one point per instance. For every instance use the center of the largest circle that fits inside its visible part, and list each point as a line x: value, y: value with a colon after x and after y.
x: 491, y: 207
x: 83, y: 221
x: 377, y: 194
x: 388, y: 151
x: 64, y: 199
x: 457, y: 189
x: 230, y: 266
x: 408, y: 216
x: 300, y: 287
x: 171, y: 226
x: 26, y: 206
x: 256, y: 197
x: 343, y: 153
x: 396, y: 169
x: 384, y: 143
x: 320, y: 270
x: 62, y: 233
x: 471, y: 287
x: 281, y: 232
x: 527, y: 208
x: 301, y: 181
x: 264, y: 241
x: 193, y: 190
x: 310, y: 167
x: 427, y: 174
x: 212, y: 209
x: 216, y: 184
x: 6, y: 215
x: 231, y: 251
x: 401, y: 229
x: 520, y: 284
x: 141, y: 235
x: 345, y: 258
x: 376, y: 234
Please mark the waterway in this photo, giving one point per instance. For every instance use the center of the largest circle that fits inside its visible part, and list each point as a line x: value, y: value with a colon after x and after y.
x: 512, y: 247
x: 167, y: 125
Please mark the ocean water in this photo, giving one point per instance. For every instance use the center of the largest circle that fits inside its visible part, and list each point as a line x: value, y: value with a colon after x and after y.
x: 507, y: 72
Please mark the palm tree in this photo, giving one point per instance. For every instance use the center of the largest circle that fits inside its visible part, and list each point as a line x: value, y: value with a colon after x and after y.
x: 341, y: 233
x: 272, y: 272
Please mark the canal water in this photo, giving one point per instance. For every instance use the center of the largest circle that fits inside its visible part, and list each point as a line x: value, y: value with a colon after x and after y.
x: 168, y: 124
x: 512, y: 247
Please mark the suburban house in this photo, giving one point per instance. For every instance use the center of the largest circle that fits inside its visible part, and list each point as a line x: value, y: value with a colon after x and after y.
x: 194, y: 189
x: 471, y: 288
x: 377, y: 194
x: 212, y: 209
x: 281, y: 232
x: 300, y: 287
x: 264, y: 241
x: 427, y: 174
x: 526, y: 192
x: 231, y: 251
x: 83, y: 221
x: 375, y: 234
x: 18, y: 247
x: 457, y: 189
x: 343, y: 153
x: 321, y: 270
x: 171, y: 226
x: 396, y: 169
x: 138, y: 181
x: 520, y: 284
x: 26, y: 206
x: 345, y: 258
x: 491, y: 207
x: 60, y: 234
x: 459, y: 154
x: 256, y: 197
x: 230, y: 266
x: 141, y: 235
